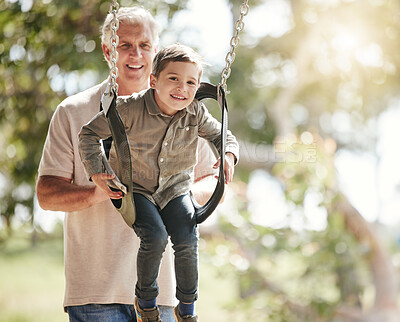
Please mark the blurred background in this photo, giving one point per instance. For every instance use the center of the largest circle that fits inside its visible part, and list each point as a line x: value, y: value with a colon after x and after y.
x: 310, y: 228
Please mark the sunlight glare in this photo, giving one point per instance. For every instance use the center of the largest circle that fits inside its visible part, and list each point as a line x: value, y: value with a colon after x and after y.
x: 357, y: 178
x: 344, y: 42
x: 272, y: 18
x: 349, y: 43
x: 344, y: 45
x: 267, y: 203
x: 370, y: 55
x: 389, y: 177
x: 206, y: 25
x: 47, y: 219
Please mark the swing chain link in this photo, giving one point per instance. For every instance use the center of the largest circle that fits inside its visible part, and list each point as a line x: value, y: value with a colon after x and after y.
x: 114, y: 7
x: 230, y: 57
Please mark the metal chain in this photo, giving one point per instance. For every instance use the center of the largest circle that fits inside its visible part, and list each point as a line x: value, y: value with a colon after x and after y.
x: 230, y: 57
x: 114, y: 7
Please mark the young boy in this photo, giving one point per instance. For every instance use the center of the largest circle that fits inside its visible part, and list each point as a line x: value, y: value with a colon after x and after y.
x: 162, y: 125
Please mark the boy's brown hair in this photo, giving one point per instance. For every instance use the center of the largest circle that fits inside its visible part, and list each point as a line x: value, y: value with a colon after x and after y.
x: 176, y: 53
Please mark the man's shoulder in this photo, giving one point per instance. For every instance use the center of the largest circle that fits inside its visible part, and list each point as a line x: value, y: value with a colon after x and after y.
x: 88, y: 98
x: 81, y: 107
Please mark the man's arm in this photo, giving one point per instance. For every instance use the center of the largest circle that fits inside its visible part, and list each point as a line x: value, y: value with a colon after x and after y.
x: 59, y: 194
x: 203, y: 189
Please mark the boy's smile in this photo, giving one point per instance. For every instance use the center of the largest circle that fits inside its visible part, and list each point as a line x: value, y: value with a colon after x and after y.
x: 176, y: 86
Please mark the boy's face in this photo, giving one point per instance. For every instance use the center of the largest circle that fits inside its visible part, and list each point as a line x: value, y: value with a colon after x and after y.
x: 176, y: 86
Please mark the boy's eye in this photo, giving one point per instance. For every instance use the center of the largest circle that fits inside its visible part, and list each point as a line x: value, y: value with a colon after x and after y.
x: 173, y: 78
x: 191, y: 83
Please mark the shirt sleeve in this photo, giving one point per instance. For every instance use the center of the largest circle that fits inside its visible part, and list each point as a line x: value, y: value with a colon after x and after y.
x: 89, y: 144
x: 58, y: 153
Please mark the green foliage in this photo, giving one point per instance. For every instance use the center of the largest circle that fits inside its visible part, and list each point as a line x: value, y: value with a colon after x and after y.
x: 38, y: 47
x: 286, y: 276
x: 295, y: 275
x: 248, y: 116
x: 336, y: 58
x: 47, y: 52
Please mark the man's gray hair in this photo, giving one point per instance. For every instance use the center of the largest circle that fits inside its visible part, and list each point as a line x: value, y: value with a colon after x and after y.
x: 130, y: 16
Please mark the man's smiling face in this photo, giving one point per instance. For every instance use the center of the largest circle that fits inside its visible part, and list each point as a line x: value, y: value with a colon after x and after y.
x: 136, y: 51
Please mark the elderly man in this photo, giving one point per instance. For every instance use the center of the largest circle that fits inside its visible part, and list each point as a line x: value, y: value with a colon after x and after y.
x: 100, y: 266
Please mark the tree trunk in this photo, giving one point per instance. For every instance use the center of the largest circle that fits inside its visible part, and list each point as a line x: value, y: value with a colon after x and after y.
x: 385, y: 306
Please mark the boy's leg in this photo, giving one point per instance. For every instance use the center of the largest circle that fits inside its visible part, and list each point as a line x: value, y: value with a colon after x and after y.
x: 178, y: 217
x: 150, y: 228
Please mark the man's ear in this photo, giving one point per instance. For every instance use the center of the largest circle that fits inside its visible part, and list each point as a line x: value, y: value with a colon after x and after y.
x: 106, y: 52
x: 153, y: 81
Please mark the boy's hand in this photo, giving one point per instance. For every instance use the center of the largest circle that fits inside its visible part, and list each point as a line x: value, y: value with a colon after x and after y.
x: 229, y: 166
x: 100, y: 179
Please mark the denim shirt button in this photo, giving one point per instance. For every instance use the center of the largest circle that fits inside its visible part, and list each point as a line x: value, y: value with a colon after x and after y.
x: 162, y: 160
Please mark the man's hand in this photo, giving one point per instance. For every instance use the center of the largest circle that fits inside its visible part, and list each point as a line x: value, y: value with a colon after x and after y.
x: 100, y: 179
x: 229, y: 166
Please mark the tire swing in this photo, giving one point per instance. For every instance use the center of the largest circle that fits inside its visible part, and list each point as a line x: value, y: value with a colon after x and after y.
x: 125, y: 205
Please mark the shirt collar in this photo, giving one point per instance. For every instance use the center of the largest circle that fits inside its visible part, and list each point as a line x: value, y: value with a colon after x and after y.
x: 190, y: 109
x: 151, y: 104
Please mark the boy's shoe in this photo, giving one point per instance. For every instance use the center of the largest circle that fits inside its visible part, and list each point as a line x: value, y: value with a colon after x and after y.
x: 187, y: 318
x: 146, y: 315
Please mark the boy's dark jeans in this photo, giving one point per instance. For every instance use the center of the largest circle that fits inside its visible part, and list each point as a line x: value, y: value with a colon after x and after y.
x: 153, y: 226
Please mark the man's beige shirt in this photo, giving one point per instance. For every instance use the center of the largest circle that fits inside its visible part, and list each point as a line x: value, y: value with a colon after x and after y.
x: 99, y: 248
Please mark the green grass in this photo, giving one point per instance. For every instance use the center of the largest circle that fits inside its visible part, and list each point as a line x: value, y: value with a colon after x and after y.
x: 215, y: 292
x: 32, y: 281
x: 32, y: 284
